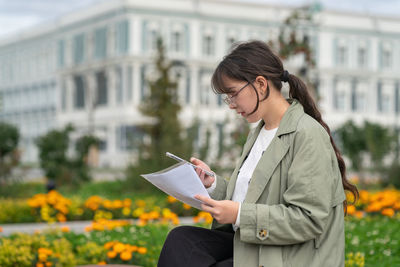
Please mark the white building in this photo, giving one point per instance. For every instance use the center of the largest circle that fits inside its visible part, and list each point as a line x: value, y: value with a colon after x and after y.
x: 89, y: 67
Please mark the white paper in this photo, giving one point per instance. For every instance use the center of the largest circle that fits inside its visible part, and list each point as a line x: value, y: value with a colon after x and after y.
x: 180, y: 181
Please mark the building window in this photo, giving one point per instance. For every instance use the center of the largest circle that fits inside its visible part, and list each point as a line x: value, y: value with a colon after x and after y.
x: 100, y: 43
x: 79, y: 48
x: 119, y: 85
x: 79, y: 93
x: 63, y: 96
x: 153, y: 37
x: 229, y: 42
x: 362, y: 57
x: 339, y: 95
x: 129, y: 137
x: 386, y: 58
x: 342, y: 55
x: 102, y: 92
x: 122, y: 37
x: 61, y: 52
x: 177, y: 41
x: 208, y: 45
x: 207, y: 96
x: 129, y: 87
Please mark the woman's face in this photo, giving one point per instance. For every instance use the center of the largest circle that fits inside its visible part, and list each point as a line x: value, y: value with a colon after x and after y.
x: 243, y: 99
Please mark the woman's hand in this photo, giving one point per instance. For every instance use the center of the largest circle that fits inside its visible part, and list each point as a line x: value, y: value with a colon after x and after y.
x: 224, y: 211
x: 205, y: 179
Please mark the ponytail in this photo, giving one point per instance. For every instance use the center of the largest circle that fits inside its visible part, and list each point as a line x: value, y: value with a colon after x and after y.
x: 298, y: 90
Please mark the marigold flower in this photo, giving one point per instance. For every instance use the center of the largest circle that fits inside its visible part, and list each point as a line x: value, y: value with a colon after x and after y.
x: 49, y: 264
x: 171, y: 199
x: 1, y: 229
x: 39, y: 264
x: 140, y: 203
x: 388, y: 212
x: 109, y: 245
x: 102, y: 263
x: 142, y: 250
x: 119, y: 247
x: 125, y: 255
x: 351, y: 209
x: 186, y: 206
x: 65, y: 229
x: 111, y: 254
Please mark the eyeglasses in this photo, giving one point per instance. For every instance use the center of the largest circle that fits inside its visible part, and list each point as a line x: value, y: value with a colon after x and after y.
x: 230, y: 99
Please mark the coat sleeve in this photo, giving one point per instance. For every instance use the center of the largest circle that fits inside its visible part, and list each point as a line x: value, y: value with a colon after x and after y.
x: 219, y: 192
x: 308, y: 196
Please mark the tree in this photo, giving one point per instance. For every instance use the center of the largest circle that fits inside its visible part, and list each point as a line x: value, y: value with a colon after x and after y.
x: 290, y: 43
x: 164, y: 129
x: 58, y: 167
x: 9, y: 154
x: 353, y: 143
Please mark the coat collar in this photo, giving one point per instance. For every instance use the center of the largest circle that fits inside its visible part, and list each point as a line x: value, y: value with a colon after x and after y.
x: 274, y: 153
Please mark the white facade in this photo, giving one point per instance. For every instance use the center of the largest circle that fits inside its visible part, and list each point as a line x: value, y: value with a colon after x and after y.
x: 89, y: 67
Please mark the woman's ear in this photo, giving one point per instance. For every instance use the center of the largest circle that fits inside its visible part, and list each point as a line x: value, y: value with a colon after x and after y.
x: 261, y: 84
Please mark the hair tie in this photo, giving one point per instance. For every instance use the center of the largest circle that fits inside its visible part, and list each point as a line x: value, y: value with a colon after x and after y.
x: 285, y: 76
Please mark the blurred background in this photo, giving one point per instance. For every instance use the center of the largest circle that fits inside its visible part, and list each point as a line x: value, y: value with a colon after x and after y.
x: 93, y: 93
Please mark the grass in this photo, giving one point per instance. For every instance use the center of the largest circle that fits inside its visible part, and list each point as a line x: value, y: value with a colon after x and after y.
x: 377, y: 237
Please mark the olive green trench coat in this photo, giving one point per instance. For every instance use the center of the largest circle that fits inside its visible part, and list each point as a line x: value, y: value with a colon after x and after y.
x: 292, y: 215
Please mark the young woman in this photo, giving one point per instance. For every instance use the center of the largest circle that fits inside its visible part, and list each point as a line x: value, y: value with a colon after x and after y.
x: 284, y: 203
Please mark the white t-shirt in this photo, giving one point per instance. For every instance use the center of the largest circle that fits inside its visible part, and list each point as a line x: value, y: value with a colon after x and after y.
x: 264, y: 138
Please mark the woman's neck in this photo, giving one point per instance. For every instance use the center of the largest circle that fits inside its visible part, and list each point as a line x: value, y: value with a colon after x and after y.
x: 276, y: 109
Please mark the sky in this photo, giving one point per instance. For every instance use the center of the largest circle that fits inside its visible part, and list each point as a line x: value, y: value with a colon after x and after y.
x: 19, y: 15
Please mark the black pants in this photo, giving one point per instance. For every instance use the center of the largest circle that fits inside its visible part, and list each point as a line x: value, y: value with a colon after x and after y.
x: 190, y: 246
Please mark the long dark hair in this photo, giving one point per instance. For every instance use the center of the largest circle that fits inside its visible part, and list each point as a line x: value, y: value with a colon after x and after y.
x: 251, y: 59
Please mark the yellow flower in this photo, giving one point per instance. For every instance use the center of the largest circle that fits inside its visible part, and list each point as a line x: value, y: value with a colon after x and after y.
x: 126, y: 211
x: 142, y: 250
x: 111, y: 254
x: 140, y: 203
x: 42, y: 257
x: 126, y: 256
x: 119, y: 247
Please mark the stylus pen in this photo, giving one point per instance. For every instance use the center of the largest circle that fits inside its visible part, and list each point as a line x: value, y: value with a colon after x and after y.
x: 172, y: 156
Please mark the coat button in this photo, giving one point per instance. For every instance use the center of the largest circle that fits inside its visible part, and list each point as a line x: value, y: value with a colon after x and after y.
x: 262, y: 233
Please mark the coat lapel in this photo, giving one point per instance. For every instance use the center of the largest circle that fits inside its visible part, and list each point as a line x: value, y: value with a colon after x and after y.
x: 246, y: 150
x: 271, y: 157
x: 265, y: 167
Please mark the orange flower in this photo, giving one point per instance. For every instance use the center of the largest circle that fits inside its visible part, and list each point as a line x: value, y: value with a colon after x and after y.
x: 359, y: 214
x: 39, y: 264
x: 61, y: 217
x: 102, y: 263
x: 111, y: 254
x: 142, y: 250
x: 119, y: 247
x: 126, y: 255
x: 140, y: 203
x: 1, y: 229
x: 49, y: 264
x: 388, y: 212
x: 351, y: 209
x: 108, y: 245
x: 171, y: 199
x: 186, y: 206
x: 65, y: 229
